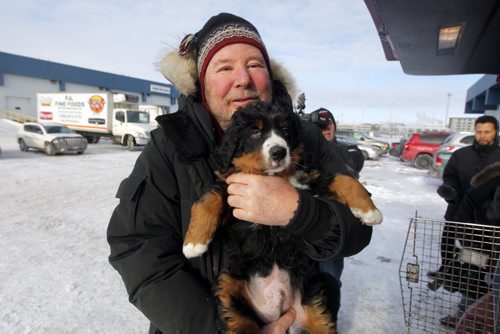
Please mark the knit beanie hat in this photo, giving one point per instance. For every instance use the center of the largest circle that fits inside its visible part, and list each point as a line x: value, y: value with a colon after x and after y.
x: 322, y: 115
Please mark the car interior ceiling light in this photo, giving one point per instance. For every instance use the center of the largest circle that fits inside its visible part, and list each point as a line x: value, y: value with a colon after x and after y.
x: 448, y: 36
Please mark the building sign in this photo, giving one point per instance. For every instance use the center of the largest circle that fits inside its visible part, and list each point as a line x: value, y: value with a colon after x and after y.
x: 159, y: 89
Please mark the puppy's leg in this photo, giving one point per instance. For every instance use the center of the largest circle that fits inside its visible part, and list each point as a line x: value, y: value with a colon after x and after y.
x: 350, y: 192
x: 235, y: 306
x: 317, y: 319
x: 205, y: 216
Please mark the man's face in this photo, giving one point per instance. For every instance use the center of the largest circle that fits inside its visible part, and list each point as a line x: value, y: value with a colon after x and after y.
x: 329, y: 131
x: 236, y: 76
x: 485, y: 133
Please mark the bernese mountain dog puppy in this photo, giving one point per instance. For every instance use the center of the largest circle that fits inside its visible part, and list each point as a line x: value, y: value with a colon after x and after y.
x: 267, y: 269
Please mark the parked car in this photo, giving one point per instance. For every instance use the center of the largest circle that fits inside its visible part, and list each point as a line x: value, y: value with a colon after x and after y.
x: 452, y: 143
x: 363, y: 139
x: 369, y: 152
x: 52, y: 138
x: 397, y: 148
x: 420, y: 148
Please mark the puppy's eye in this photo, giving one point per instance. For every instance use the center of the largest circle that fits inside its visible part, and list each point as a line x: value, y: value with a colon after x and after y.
x: 285, y: 131
x: 255, y: 134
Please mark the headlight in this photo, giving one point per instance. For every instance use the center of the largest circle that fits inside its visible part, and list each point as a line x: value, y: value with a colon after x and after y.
x: 140, y: 135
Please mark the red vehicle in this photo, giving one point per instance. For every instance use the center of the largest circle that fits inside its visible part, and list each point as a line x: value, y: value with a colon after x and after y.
x: 420, y: 148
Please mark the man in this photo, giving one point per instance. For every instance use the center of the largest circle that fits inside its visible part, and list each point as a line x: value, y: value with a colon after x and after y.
x: 468, y: 161
x: 462, y: 166
x: 353, y: 159
x: 222, y: 67
x: 350, y: 154
x: 481, y: 205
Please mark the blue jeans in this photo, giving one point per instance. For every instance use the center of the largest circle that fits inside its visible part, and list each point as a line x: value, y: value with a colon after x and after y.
x: 333, y: 267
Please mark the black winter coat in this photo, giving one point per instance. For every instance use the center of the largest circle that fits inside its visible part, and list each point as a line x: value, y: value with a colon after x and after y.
x: 352, y: 157
x: 146, y: 230
x: 462, y: 166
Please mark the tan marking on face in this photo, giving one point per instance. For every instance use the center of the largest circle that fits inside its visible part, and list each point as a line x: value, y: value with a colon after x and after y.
x: 260, y: 124
x: 252, y: 163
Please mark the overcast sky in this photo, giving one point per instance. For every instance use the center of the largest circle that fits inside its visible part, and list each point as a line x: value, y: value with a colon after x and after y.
x: 331, y: 47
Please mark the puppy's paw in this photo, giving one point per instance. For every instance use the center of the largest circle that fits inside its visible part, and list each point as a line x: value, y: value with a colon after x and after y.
x: 371, y: 217
x: 193, y: 250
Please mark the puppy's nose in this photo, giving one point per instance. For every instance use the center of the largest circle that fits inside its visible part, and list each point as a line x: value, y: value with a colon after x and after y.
x: 277, y: 153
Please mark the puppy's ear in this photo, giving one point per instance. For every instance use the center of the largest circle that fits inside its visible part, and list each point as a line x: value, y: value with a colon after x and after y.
x: 225, y: 152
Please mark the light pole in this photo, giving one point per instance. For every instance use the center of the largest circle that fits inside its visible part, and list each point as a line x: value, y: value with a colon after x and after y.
x: 447, y: 108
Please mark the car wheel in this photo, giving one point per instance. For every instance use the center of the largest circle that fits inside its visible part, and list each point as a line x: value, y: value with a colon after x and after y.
x: 130, y: 143
x: 423, y: 161
x: 22, y: 146
x: 79, y: 152
x: 365, y: 155
x: 49, y: 149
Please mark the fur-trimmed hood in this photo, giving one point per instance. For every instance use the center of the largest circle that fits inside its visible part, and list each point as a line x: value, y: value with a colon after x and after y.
x: 487, y: 174
x: 182, y: 72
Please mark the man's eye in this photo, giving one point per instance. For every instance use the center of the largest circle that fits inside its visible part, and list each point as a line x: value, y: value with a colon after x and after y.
x: 255, y: 134
x: 255, y: 65
x: 224, y: 69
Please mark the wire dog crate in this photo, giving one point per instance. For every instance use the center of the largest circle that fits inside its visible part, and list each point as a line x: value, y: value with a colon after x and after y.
x: 450, y: 277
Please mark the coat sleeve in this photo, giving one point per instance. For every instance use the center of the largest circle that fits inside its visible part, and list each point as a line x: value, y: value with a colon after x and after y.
x: 145, y: 237
x: 353, y: 158
x: 328, y: 227
x: 450, y: 173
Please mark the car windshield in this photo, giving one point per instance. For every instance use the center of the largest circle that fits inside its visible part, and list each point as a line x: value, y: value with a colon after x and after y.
x: 346, y: 140
x: 135, y: 116
x: 56, y: 129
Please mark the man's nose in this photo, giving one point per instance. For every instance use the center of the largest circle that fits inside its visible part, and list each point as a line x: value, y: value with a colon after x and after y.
x: 242, y: 77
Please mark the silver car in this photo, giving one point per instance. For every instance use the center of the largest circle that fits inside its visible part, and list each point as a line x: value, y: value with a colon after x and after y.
x: 452, y: 143
x: 52, y: 138
x: 369, y: 152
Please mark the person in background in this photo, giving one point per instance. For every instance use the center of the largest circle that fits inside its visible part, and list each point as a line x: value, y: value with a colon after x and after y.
x: 222, y: 67
x: 481, y: 205
x: 354, y: 161
x: 350, y: 154
x: 462, y: 166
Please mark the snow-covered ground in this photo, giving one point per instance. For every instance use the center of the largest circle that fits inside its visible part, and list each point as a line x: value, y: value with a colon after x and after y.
x: 54, y: 272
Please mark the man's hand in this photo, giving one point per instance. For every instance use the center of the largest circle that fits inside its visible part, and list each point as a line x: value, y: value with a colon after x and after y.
x: 267, y: 200
x: 281, y: 325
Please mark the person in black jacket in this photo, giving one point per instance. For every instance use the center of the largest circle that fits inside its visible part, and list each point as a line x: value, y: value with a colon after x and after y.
x: 353, y: 159
x: 478, y: 252
x: 468, y: 161
x: 462, y: 166
x: 351, y: 155
x: 223, y: 66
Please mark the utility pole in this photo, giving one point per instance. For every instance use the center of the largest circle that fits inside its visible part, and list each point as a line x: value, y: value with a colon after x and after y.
x: 447, y: 108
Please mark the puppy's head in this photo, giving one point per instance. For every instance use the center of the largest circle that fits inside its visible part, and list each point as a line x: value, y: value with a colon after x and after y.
x: 262, y: 138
